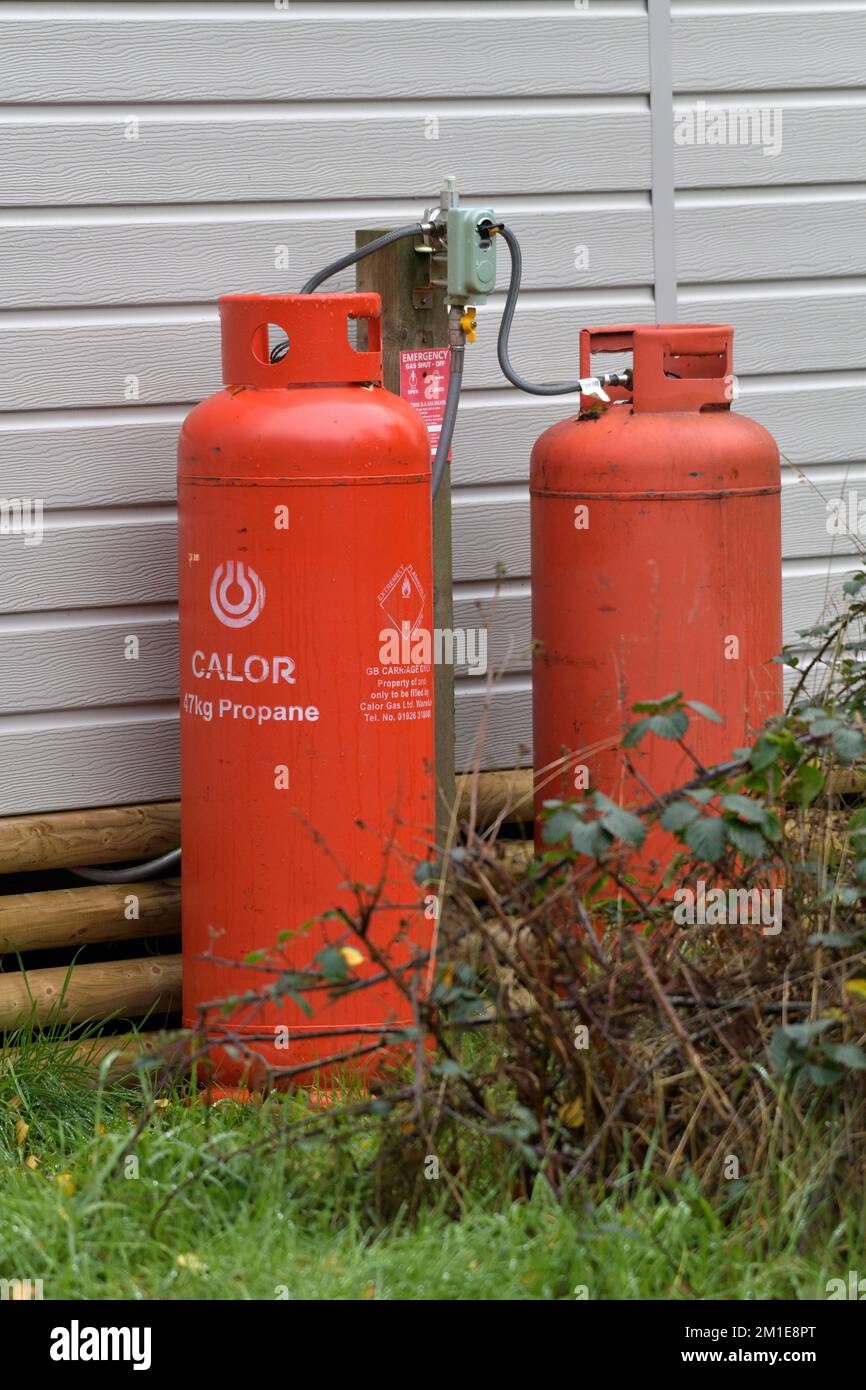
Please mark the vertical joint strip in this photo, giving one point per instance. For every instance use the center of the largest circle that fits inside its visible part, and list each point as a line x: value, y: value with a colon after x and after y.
x: 663, y: 176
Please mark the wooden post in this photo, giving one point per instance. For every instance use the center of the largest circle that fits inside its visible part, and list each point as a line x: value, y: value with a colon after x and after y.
x: 414, y: 316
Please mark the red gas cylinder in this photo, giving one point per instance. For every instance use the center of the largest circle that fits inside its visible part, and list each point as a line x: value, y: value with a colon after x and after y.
x: 656, y: 567
x: 306, y: 763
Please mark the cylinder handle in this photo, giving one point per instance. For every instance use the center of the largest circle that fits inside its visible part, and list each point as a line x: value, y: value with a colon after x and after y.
x: 317, y: 327
x: 676, y: 366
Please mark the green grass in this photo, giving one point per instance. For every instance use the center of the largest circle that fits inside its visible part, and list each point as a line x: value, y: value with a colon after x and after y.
x: 299, y: 1223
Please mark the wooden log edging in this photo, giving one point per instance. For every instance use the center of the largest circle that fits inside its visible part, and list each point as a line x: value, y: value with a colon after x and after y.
x: 507, y: 793
x: 127, y: 988
x: 115, y: 834
x: 102, y: 835
x: 79, y: 916
x: 119, y: 834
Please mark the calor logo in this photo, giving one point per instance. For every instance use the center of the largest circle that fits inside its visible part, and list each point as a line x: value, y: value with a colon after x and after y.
x: 237, y: 595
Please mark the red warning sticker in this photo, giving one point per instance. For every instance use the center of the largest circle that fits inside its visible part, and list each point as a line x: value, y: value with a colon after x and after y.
x: 424, y: 384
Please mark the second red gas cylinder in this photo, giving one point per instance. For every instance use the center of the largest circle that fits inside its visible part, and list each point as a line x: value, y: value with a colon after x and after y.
x: 656, y: 567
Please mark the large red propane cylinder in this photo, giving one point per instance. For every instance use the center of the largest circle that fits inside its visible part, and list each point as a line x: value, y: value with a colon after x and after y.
x: 306, y: 760
x: 656, y: 567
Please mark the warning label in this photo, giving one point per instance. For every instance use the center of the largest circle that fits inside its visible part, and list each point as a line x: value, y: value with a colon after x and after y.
x: 424, y: 384
x: 398, y: 695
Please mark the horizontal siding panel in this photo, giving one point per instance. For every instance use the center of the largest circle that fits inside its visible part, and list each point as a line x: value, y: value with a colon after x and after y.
x: 91, y: 459
x: 798, y: 331
x: 776, y: 239
x: 506, y: 740
x: 505, y: 616
x: 818, y: 422
x: 51, y: 363
x: 93, y: 361
x: 242, y: 156
x: 491, y: 536
x: 53, y: 766
x: 90, y: 563
x: 62, y: 660
x: 270, y: 54
x: 184, y: 259
x: 509, y: 643
x: 99, y: 460
x: 813, y: 594
x: 818, y: 47
x: 58, y: 763
x: 821, y: 142
x: 811, y: 503
x: 60, y: 663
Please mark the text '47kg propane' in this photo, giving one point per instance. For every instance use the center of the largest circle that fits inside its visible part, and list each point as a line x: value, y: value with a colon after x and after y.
x: 305, y: 531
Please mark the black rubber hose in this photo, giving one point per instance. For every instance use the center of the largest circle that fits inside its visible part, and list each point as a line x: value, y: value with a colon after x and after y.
x: 280, y: 349
x: 151, y: 869
x: 449, y: 418
x: 508, y: 371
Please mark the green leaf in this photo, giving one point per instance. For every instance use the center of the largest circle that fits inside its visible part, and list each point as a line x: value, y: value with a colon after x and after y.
x: 744, y: 807
x: 589, y: 838
x: 332, y: 965
x: 656, y: 706
x: 806, y: 783
x: 765, y: 752
x: 703, y: 794
x: 783, y: 1051
x: 625, y: 826
x: 848, y: 744
x: 448, y: 1067
x: 822, y: 1075
x: 253, y: 957
x: 558, y: 826
x: 771, y: 828
x: 846, y: 894
x: 678, y: 815
x: 632, y: 737
x: 805, y: 1032
x: 706, y: 710
x: 834, y: 939
x: 849, y: 1055
x: 289, y: 986
x: 672, y: 725
x: 747, y: 840
x: 707, y: 837
x: 823, y: 725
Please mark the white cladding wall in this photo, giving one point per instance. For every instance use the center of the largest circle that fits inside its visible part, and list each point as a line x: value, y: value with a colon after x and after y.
x: 155, y: 155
